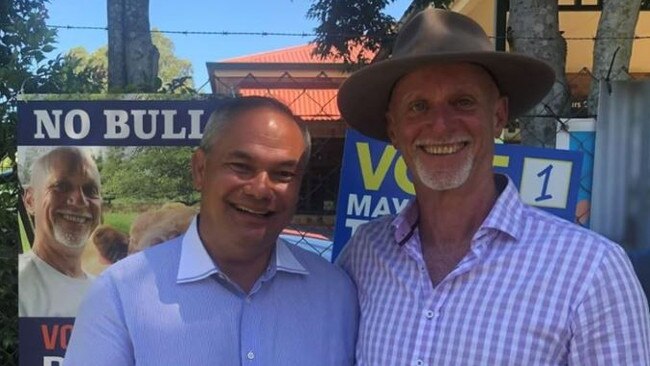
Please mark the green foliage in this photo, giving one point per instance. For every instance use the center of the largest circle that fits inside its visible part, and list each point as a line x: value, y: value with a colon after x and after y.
x: 119, y: 220
x: 350, y: 27
x: 149, y: 173
x: 347, y: 24
x: 174, y: 74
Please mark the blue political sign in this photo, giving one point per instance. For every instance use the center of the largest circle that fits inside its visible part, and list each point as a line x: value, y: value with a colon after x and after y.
x: 375, y: 181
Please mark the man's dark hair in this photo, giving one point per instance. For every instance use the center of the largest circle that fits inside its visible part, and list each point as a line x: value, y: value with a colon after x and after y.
x: 231, y: 108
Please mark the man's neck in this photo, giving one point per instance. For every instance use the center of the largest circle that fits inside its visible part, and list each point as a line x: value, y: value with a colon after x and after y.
x: 244, y: 271
x: 454, y: 216
x: 67, y: 261
x: 242, y: 262
x: 448, y: 221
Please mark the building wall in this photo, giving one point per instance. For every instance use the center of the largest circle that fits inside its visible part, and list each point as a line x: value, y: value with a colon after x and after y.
x: 574, y: 25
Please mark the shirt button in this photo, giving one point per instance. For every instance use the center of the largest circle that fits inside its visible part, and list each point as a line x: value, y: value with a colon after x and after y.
x: 250, y: 355
x: 429, y: 314
x: 419, y: 362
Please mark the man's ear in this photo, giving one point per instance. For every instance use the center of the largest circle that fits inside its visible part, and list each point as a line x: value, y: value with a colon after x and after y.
x: 501, y: 116
x: 198, y: 168
x: 28, y: 200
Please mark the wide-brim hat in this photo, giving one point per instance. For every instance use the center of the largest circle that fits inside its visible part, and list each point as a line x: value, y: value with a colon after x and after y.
x: 439, y: 36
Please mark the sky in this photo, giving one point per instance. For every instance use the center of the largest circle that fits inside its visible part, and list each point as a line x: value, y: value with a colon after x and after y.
x: 276, y: 16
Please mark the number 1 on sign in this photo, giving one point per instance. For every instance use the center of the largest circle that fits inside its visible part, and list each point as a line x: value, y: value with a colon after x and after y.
x: 546, y: 172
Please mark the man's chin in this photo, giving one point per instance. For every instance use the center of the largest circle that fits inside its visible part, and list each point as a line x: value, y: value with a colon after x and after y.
x: 72, y: 240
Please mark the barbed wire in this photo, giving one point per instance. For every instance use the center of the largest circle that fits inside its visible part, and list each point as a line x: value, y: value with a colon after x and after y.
x: 306, y: 34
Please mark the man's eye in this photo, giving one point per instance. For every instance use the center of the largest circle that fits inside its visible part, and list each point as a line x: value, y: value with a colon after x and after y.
x: 91, y: 191
x: 464, y: 102
x: 61, y: 187
x: 239, y: 167
x: 417, y: 106
x: 284, y: 176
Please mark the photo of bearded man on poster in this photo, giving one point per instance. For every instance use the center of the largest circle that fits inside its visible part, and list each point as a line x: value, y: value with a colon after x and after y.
x: 63, y: 198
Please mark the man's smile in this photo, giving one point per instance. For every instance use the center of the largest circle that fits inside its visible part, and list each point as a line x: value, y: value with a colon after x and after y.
x: 441, y: 148
x: 75, y: 217
x: 253, y: 211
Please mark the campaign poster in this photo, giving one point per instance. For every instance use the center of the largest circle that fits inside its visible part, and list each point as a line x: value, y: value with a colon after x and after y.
x: 579, y: 134
x: 128, y: 158
x: 375, y: 181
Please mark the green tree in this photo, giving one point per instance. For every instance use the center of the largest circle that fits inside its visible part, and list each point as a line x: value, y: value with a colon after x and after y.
x: 350, y: 27
x: 175, y: 74
x: 148, y: 173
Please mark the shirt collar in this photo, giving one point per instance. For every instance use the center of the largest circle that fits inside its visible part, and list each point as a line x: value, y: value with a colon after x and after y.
x: 405, y: 223
x: 285, y: 260
x: 196, y: 264
x: 505, y: 215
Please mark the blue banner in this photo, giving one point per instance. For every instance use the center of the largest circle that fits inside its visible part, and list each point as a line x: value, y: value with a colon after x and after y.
x: 113, y: 122
x: 375, y: 181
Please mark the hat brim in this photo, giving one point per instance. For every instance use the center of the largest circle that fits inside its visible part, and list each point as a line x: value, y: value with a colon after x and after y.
x: 363, y: 98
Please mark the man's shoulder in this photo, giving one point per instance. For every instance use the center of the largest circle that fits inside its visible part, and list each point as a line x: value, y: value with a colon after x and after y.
x: 312, y: 261
x: 376, y: 232
x: 549, y: 228
x: 319, y: 268
x: 375, y: 228
x: 26, y: 262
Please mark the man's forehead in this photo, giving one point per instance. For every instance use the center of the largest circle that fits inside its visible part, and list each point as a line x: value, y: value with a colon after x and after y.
x: 71, y: 165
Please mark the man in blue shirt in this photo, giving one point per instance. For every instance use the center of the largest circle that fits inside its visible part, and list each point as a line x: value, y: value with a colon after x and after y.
x: 227, y: 292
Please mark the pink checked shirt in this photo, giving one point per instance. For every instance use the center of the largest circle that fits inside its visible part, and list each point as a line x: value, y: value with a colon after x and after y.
x: 533, y: 290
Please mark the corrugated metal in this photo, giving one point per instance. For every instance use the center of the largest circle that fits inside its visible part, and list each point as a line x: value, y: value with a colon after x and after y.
x: 308, y: 104
x: 621, y: 187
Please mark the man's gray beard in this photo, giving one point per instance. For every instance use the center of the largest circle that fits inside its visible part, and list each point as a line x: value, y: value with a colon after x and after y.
x: 442, y: 181
x: 73, y: 240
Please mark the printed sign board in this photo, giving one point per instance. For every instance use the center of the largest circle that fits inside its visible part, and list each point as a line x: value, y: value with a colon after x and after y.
x: 375, y: 181
x: 141, y: 147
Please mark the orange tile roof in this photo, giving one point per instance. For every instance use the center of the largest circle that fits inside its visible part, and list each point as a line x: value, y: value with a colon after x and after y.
x: 308, y: 104
x: 295, y: 54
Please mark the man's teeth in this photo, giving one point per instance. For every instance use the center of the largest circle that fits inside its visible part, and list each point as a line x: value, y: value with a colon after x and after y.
x: 246, y: 209
x: 75, y: 218
x: 442, y: 149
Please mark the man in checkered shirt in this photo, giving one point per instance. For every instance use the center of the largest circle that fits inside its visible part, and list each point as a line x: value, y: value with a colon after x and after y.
x: 467, y: 274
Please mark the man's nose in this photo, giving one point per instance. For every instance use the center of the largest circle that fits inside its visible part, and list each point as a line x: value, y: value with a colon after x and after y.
x: 259, y: 186
x: 439, y: 118
x: 77, y: 197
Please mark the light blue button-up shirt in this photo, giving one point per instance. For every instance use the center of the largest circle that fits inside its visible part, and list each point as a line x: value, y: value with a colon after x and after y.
x: 170, y: 305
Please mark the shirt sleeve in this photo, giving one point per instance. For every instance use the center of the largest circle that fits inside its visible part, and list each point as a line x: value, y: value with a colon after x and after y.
x: 611, y: 325
x: 100, y: 336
